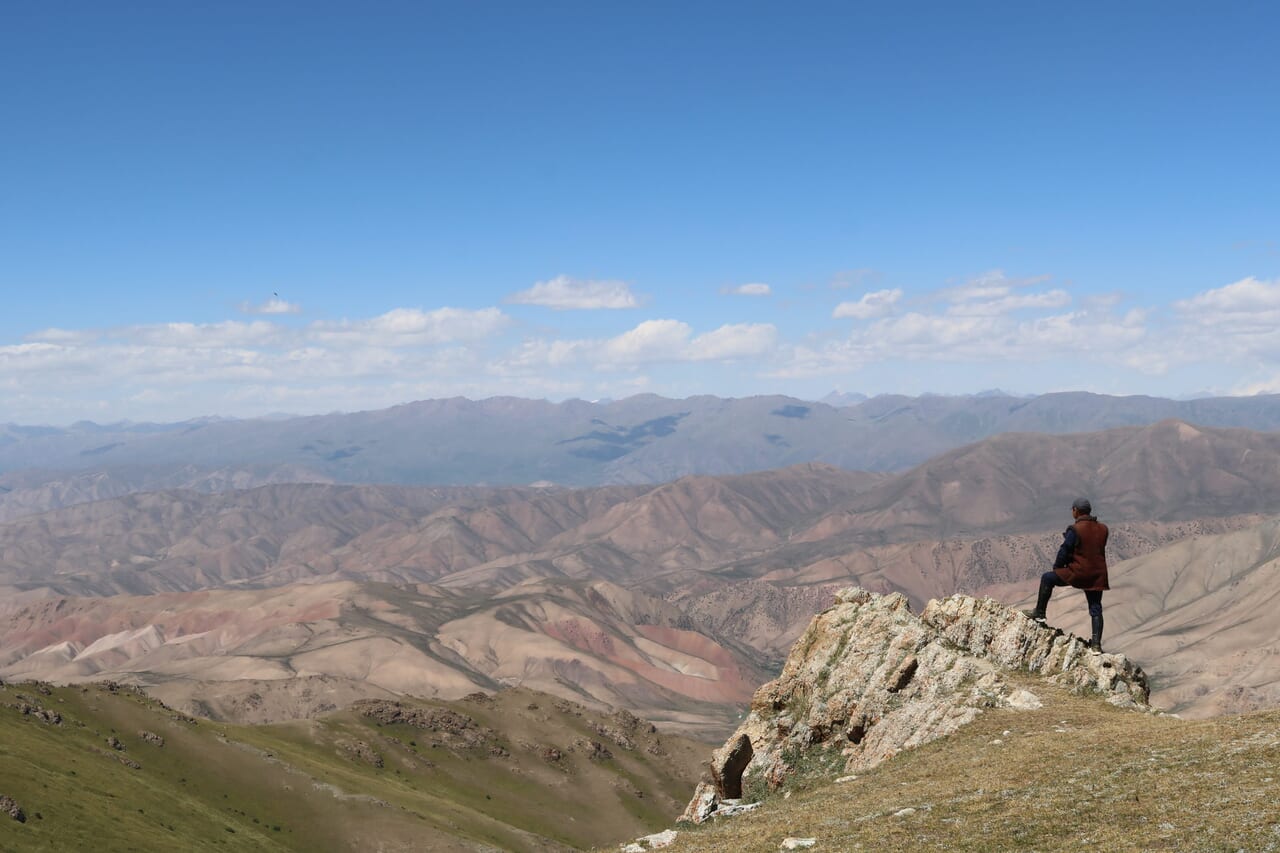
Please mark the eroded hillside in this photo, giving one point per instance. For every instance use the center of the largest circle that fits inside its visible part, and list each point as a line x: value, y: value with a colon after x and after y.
x: 673, y: 600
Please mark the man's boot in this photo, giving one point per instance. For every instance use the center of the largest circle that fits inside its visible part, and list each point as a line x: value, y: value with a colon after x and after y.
x: 1096, y: 643
x: 1042, y: 601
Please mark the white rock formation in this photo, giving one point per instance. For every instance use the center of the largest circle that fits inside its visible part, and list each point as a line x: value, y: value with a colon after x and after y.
x: 869, y: 679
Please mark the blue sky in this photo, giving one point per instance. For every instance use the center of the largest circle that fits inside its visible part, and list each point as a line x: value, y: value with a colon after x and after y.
x: 264, y: 207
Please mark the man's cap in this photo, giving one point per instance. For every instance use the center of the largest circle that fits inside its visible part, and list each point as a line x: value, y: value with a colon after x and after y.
x: 1083, y: 505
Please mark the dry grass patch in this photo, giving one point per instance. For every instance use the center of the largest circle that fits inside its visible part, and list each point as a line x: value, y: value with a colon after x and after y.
x: 1076, y: 774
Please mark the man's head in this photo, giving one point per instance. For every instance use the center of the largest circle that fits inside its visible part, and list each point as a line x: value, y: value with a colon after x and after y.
x: 1081, y: 506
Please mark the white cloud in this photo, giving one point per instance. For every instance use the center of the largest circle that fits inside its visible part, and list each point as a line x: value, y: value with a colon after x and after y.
x: 414, y: 327
x: 274, y: 305
x: 652, y: 340
x: 563, y: 293
x: 753, y: 289
x: 228, y: 333
x: 990, y: 285
x: 983, y: 321
x: 877, y: 303
x: 1010, y: 302
x: 1248, y: 303
x: 38, y: 349
x: 989, y: 324
x: 1252, y: 387
x: 62, y: 336
x: 993, y: 293
x: 742, y: 340
x: 180, y: 369
x: 1238, y: 323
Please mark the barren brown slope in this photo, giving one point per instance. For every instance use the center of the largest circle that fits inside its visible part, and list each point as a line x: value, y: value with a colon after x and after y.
x: 1020, y: 482
x: 277, y: 534
x: 592, y: 642
x: 600, y: 643
x: 281, y: 534
x: 985, y: 515
x: 457, y: 537
x: 696, y: 520
x: 668, y: 539
x: 30, y: 492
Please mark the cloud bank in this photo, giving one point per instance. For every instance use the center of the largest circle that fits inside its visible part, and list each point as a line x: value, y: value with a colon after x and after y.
x: 977, y: 328
x: 563, y: 293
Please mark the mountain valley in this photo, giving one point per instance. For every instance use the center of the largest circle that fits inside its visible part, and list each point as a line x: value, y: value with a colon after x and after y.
x: 288, y: 602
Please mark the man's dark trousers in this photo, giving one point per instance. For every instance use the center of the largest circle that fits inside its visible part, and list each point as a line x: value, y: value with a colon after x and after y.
x: 1092, y: 596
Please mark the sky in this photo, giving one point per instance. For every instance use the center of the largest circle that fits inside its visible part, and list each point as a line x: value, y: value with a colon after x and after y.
x: 246, y: 208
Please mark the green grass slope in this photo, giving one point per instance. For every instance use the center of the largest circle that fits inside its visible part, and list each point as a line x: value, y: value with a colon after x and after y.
x: 519, y: 771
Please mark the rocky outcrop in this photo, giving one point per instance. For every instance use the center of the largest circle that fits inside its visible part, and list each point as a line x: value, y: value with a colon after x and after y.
x: 454, y: 730
x: 362, y: 751
x: 150, y: 737
x: 123, y: 759
x: 592, y: 749
x: 27, y: 705
x: 9, y: 807
x: 869, y: 678
x: 429, y: 719
x: 986, y: 628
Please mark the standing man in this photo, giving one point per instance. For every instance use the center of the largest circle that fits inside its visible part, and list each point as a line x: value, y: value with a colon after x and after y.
x: 1081, y: 563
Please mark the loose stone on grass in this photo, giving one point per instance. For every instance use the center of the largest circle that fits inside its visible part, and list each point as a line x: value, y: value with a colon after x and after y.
x: 12, y: 809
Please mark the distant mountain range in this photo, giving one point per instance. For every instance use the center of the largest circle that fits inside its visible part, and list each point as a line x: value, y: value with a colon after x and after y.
x: 673, y: 600
x: 505, y: 441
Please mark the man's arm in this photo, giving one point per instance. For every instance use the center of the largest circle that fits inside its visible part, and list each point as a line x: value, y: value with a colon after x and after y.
x: 1068, y: 548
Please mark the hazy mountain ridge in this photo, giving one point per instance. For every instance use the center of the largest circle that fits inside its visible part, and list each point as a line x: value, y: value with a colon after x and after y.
x: 1015, y: 482
x: 757, y: 524
x: 510, y: 441
x: 32, y: 491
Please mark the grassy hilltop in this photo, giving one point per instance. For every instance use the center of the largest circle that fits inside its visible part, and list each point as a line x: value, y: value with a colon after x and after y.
x: 1077, y: 774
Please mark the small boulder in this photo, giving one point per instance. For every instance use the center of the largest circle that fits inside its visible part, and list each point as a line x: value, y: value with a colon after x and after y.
x: 12, y: 809
x: 703, y: 805
x: 659, y: 840
x: 1024, y: 700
